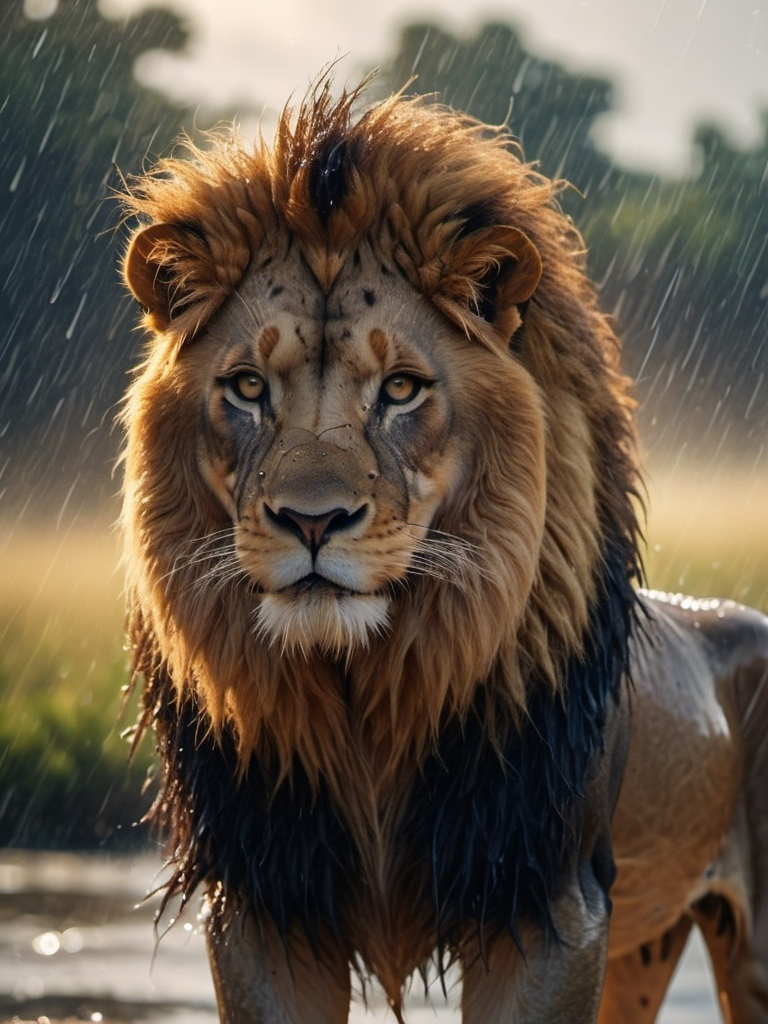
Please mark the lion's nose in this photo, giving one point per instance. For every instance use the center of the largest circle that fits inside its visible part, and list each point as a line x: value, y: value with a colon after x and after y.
x: 314, y: 530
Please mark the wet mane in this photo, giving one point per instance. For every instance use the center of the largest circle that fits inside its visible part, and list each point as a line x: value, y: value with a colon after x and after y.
x: 510, y: 676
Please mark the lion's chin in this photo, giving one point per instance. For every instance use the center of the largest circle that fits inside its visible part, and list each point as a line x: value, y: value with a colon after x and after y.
x: 332, y: 622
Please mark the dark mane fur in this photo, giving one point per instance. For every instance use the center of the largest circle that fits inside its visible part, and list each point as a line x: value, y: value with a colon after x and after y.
x: 285, y: 848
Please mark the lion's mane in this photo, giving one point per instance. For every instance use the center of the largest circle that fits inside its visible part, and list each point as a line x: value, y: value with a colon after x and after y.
x: 485, y: 702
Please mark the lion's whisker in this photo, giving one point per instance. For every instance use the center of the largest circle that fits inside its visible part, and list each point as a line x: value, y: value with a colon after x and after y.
x: 255, y: 305
x: 446, y: 556
x: 203, y: 549
x: 227, y: 571
x: 433, y: 533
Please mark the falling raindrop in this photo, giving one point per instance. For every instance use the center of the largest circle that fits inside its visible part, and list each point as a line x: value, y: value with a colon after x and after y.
x: 16, y: 179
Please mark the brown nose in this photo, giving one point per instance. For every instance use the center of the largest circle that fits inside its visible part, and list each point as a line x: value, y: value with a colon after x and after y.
x: 314, y: 530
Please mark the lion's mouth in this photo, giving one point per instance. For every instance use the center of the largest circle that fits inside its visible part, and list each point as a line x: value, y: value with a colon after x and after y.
x: 314, y: 583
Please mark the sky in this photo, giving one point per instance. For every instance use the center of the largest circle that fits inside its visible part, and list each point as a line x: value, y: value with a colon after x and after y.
x: 674, y: 63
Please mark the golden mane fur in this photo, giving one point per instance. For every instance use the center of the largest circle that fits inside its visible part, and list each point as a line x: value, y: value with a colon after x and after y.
x: 538, y: 499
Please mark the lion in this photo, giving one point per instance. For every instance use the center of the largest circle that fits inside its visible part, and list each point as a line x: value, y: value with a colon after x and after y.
x: 382, y: 545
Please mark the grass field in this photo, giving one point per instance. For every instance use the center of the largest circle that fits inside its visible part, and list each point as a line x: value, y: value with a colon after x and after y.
x: 63, y: 775
x: 707, y: 532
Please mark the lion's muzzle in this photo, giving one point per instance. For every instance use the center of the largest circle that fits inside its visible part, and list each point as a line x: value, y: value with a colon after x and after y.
x: 316, y: 504
x: 316, y: 489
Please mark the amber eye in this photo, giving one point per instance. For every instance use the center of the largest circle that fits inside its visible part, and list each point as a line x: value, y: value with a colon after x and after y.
x: 248, y: 386
x: 400, y: 388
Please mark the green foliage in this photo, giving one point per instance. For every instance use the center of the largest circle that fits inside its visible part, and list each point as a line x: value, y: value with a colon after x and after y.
x: 70, y: 109
x: 494, y: 78
x: 65, y: 780
x: 684, y: 263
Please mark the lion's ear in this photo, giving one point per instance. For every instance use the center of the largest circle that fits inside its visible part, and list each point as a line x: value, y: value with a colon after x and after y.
x: 489, y: 274
x: 168, y: 267
x: 510, y: 279
x: 514, y: 278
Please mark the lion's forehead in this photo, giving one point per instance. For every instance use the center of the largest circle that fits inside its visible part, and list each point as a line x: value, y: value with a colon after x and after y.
x: 367, y: 321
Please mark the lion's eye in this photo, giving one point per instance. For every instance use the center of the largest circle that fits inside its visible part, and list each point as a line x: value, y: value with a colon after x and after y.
x: 400, y: 388
x: 248, y: 386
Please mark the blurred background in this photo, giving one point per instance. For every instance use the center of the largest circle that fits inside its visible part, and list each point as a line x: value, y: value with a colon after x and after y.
x: 655, y: 110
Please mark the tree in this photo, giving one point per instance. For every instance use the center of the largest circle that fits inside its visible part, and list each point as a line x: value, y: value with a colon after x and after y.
x: 70, y: 109
x: 683, y: 263
x: 494, y: 78
x: 686, y: 262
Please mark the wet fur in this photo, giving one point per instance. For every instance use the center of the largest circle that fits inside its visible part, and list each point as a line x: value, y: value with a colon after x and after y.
x: 430, y: 783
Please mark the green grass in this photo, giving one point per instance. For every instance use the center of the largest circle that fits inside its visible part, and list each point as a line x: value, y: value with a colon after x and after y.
x: 64, y: 777
x: 65, y: 780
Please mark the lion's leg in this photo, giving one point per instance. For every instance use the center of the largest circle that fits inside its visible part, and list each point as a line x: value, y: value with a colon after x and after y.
x: 741, y: 974
x: 260, y: 980
x: 557, y: 980
x: 735, y: 923
x: 636, y: 983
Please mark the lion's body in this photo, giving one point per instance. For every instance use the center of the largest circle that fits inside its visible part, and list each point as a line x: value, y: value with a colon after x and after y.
x: 381, y: 546
x: 690, y: 831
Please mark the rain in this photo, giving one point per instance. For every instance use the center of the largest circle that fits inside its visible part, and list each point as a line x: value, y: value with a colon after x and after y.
x: 92, y: 93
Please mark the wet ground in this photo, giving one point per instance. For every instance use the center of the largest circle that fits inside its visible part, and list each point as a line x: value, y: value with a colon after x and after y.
x: 77, y: 944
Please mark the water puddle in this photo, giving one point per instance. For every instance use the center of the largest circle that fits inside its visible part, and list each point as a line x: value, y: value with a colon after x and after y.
x: 77, y: 943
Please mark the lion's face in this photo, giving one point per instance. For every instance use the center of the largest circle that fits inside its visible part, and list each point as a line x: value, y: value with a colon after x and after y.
x: 338, y: 430
x: 379, y: 447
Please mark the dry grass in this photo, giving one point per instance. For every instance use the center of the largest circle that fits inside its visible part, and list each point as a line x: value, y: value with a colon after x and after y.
x: 60, y: 605
x: 708, y: 532
x: 61, y: 609
x: 71, y: 574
